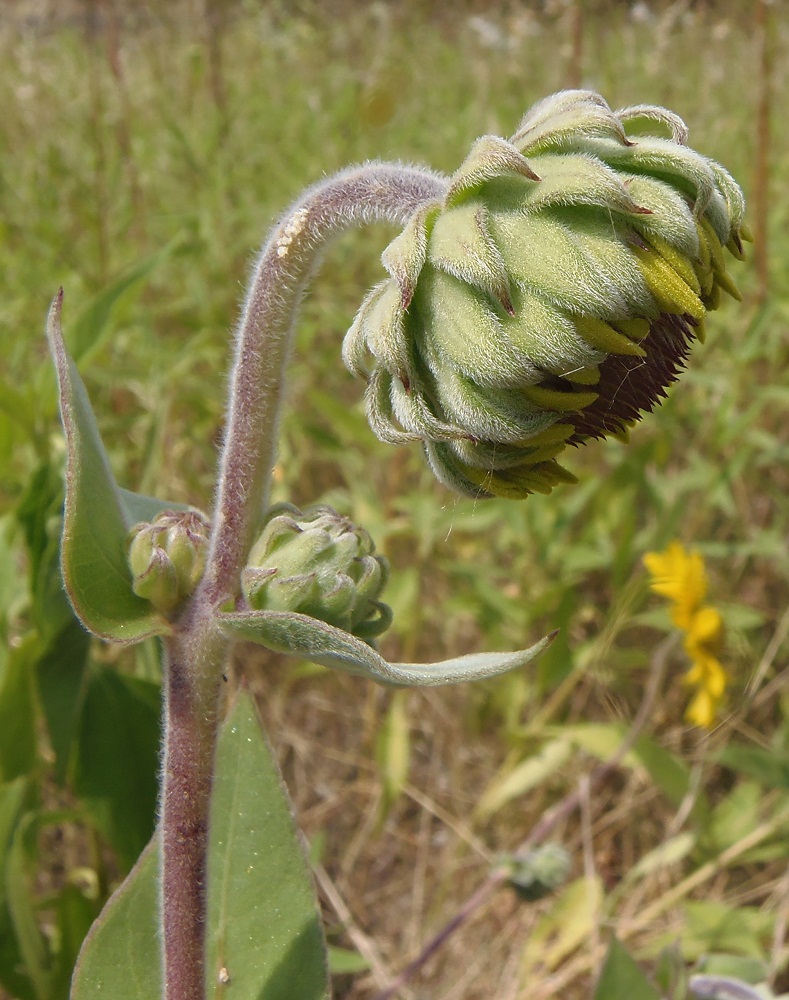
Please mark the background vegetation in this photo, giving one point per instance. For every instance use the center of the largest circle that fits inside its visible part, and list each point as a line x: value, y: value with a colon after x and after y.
x: 144, y: 151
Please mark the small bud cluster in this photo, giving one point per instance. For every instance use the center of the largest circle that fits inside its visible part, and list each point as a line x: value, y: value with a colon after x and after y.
x: 550, y: 297
x: 317, y: 563
x: 167, y: 557
x: 540, y: 872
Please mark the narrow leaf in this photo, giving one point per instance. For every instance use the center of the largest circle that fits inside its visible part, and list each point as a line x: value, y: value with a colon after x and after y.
x: 121, y: 956
x: 525, y: 776
x: 91, y: 326
x: 300, y: 635
x: 13, y: 972
x: 96, y: 522
x: 18, y: 752
x: 565, y: 926
x: 393, y: 750
x: 263, y: 932
x: 12, y: 796
x: 33, y: 945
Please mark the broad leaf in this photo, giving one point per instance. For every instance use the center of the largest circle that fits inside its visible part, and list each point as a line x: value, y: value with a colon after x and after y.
x: 300, y: 635
x: 61, y: 673
x: 121, y: 957
x: 264, y: 937
x: 96, y: 517
x: 118, y: 759
x: 622, y: 979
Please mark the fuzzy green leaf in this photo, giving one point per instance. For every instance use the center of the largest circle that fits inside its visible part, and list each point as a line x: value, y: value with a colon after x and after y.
x: 314, y: 640
x: 97, y: 516
x: 121, y: 955
x: 263, y: 932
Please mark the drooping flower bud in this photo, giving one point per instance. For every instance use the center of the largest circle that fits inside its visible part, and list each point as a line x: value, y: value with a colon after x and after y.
x: 317, y: 563
x: 550, y: 297
x: 167, y: 556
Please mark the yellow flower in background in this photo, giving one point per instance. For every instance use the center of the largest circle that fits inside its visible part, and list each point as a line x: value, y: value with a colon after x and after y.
x: 680, y: 576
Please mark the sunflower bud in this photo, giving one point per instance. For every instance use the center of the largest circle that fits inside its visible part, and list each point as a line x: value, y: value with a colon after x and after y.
x: 550, y: 297
x: 167, y: 556
x: 318, y: 563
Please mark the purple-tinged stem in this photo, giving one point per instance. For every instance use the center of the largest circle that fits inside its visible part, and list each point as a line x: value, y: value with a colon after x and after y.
x: 368, y: 193
x: 190, y: 740
x: 196, y: 651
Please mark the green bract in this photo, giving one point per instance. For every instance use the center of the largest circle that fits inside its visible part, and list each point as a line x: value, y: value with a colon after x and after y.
x: 318, y: 563
x: 167, y: 556
x: 550, y: 297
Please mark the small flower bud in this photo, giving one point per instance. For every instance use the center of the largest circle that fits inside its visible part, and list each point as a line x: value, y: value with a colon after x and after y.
x: 550, y: 297
x: 540, y: 872
x: 167, y: 556
x: 317, y: 563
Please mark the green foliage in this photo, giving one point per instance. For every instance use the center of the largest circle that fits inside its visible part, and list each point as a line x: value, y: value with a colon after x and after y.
x: 117, y: 759
x: 121, y: 955
x: 622, y: 979
x: 97, y: 517
x: 264, y: 936
x: 150, y: 241
x: 263, y: 930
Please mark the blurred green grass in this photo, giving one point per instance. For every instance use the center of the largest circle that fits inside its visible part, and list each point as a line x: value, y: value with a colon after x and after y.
x: 154, y: 157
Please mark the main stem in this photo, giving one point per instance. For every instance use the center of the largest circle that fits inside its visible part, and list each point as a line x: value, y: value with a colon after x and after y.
x: 195, y: 653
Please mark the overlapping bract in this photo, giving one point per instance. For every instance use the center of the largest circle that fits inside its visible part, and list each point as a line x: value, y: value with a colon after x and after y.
x: 317, y: 563
x: 550, y: 297
x: 167, y: 556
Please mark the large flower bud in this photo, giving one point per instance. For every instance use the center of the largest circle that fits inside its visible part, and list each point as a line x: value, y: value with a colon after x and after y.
x: 167, y: 556
x: 550, y: 297
x: 318, y: 563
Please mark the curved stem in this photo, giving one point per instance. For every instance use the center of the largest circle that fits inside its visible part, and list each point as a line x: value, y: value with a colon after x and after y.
x: 195, y: 652
x: 368, y: 193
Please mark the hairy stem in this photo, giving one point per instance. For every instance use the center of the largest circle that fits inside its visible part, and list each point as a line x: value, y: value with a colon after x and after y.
x: 194, y: 654
x: 193, y: 663
x: 372, y: 192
